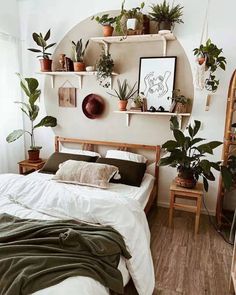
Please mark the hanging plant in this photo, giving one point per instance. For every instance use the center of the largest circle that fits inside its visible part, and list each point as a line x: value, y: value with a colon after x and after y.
x: 211, y: 55
x: 105, y: 66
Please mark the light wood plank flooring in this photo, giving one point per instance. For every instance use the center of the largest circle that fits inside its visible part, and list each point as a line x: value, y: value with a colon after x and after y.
x: 184, y: 264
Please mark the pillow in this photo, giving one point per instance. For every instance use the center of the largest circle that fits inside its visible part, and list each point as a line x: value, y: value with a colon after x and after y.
x: 79, y: 152
x: 52, y: 164
x: 84, y: 173
x: 131, y: 172
x: 122, y: 155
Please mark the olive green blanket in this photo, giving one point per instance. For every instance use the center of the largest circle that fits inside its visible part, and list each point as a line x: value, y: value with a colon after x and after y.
x: 36, y: 254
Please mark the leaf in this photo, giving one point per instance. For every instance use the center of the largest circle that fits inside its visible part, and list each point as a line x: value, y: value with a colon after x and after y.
x: 206, y: 166
x: 34, y: 96
x: 32, y: 84
x: 50, y: 45
x: 174, y: 123
x: 179, y: 136
x: 170, y: 145
x: 214, y: 144
x: 205, y: 148
x: 205, y: 183
x: 34, y: 50
x: 216, y: 166
x: 166, y: 161
x: 15, y: 135
x: 196, y: 140
x: 209, y: 176
x: 47, y: 36
x: 34, y: 113
x: 190, y: 130
x: 197, y: 125
x: 47, y: 121
x: 226, y: 177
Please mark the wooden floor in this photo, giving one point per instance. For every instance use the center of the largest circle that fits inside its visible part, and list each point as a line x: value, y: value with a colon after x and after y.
x: 185, y: 265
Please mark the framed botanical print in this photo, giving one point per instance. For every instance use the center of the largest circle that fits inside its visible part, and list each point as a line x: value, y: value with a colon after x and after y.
x: 156, y: 80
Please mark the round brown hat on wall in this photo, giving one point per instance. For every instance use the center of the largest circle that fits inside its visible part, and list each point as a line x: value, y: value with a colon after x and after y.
x: 93, y: 106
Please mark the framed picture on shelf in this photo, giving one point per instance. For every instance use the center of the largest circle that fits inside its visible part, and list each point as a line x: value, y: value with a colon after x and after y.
x: 157, y: 80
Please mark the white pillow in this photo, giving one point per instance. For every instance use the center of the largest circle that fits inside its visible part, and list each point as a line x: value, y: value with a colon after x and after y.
x: 79, y: 152
x: 85, y: 173
x: 123, y: 155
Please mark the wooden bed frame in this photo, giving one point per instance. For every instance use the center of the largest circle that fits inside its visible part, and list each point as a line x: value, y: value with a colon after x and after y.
x: 92, y: 145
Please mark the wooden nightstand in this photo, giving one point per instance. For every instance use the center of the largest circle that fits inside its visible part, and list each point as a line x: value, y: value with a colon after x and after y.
x: 26, y: 166
x: 195, y: 194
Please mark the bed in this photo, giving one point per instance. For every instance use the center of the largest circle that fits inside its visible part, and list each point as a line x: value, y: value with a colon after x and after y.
x: 36, y: 196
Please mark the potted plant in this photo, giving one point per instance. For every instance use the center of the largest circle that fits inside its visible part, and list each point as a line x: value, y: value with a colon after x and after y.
x: 31, y: 110
x: 137, y: 101
x: 166, y: 15
x: 104, y: 66
x: 124, y: 93
x: 179, y: 102
x: 45, y: 61
x: 107, y: 22
x: 211, y: 55
x: 189, y: 157
x: 78, y: 55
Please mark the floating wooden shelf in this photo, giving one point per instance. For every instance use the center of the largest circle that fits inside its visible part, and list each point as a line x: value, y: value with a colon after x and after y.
x: 164, y: 114
x: 106, y: 41
x: 66, y: 74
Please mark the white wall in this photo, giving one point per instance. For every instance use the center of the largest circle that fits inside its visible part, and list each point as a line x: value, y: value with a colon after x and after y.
x: 9, y: 17
x: 61, y: 16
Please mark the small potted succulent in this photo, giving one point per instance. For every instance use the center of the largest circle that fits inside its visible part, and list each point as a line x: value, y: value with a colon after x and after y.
x: 166, y: 15
x: 31, y: 110
x: 124, y: 93
x: 212, y: 56
x: 189, y: 157
x: 107, y: 22
x: 45, y: 61
x: 78, y: 55
x: 180, y: 102
x: 104, y: 67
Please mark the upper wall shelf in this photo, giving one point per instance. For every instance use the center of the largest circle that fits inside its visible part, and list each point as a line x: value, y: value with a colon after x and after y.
x: 106, y: 41
x: 164, y: 114
x: 66, y: 74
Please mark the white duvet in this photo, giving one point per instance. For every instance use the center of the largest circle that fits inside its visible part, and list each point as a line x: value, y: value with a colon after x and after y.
x: 42, y: 198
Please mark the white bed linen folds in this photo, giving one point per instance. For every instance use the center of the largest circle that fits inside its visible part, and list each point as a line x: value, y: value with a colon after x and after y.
x: 29, y: 197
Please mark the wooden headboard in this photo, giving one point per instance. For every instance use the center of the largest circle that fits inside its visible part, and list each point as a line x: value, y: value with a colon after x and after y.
x: 92, y: 145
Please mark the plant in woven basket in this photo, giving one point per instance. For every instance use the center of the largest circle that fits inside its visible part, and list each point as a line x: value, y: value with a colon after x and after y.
x: 213, y: 59
x: 189, y: 157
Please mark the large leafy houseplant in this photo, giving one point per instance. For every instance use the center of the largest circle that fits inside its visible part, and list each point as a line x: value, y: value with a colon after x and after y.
x: 189, y: 157
x: 41, y: 41
x: 166, y: 15
x: 211, y: 54
x: 31, y: 110
x: 78, y: 55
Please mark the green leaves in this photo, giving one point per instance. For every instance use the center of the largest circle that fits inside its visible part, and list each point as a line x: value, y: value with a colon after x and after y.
x: 226, y: 177
x: 179, y: 136
x: 47, y: 121
x: 170, y: 145
x: 15, y: 135
x: 124, y: 92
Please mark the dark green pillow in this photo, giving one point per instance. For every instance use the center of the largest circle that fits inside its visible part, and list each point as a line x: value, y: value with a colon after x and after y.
x: 53, y: 162
x: 131, y: 172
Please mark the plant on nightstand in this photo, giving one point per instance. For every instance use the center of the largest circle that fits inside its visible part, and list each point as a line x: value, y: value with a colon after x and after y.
x: 124, y: 93
x: 166, y: 15
x: 45, y: 62
x: 78, y: 55
x: 107, y: 22
x: 31, y: 110
x: 189, y: 157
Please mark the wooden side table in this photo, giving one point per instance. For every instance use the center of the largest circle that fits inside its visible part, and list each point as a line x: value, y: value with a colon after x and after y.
x: 195, y: 194
x: 25, y: 166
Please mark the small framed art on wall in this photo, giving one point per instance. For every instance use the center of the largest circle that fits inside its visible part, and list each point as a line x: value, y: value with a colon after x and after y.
x: 157, y: 79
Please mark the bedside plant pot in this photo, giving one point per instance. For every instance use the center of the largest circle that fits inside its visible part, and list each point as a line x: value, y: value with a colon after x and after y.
x: 131, y: 24
x: 79, y: 66
x: 122, y: 104
x: 185, y: 182
x: 34, y: 156
x: 164, y: 27
x: 46, y: 65
x: 107, y: 31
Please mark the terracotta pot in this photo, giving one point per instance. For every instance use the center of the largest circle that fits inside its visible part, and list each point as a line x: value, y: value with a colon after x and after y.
x: 79, y: 66
x: 180, y: 108
x: 122, y: 105
x: 107, y: 30
x: 164, y: 27
x: 46, y: 65
x: 34, y: 156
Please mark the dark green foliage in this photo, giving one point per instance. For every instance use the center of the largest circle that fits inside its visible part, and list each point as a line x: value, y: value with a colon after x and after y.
x: 31, y: 110
x: 105, y: 19
x: 105, y: 67
x: 78, y: 51
x: 214, y: 60
x: 189, y: 157
x: 42, y: 42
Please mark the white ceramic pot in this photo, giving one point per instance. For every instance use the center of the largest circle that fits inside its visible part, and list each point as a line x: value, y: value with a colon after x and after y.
x: 132, y: 24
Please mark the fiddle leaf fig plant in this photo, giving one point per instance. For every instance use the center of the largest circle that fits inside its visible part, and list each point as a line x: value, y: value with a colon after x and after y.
x: 188, y: 154
x: 31, y: 110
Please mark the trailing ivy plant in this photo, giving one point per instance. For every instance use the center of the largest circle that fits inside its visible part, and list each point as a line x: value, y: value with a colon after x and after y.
x: 189, y: 156
x: 31, y: 110
x: 214, y: 60
x: 104, y: 66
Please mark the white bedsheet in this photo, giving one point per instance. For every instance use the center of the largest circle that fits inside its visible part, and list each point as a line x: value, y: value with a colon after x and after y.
x: 35, y: 196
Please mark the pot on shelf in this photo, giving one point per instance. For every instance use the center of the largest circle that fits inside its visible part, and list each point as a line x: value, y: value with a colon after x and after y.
x: 122, y: 105
x: 79, y: 66
x: 34, y: 156
x: 185, y: 178
x: 107, y: 30
x: 180, y: 108
x: 46, y: 65
x: 164, y: 27
x: 131, y: 23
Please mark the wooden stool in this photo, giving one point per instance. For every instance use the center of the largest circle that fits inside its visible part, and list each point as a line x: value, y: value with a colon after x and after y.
x: 185, y: 193
x: 25, y: 166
